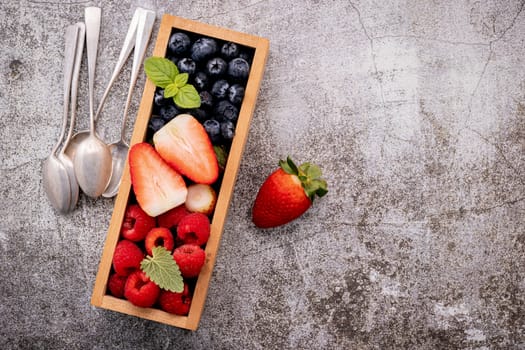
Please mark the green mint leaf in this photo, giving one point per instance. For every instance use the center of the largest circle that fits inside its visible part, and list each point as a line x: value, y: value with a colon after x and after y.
x: 187, y: 97
x: 160, y: 70
x: 221, y: 155
x: 181, y: 79
x: 171, y: 90
x: 162, y: 269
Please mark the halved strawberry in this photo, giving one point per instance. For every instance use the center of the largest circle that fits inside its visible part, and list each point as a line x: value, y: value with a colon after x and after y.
x: 184, y: 144
x: 157, y: 186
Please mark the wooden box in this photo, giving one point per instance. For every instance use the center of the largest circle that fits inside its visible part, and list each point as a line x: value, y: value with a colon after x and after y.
x: 100, y: 297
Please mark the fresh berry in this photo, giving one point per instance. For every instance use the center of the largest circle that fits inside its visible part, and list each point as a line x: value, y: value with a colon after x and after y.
x: 203, y: 48
x: 159, y: 236
x: 216, y: 67
x: 229, y: 50
x: 116, y: 285
x: 179, y: 43
x: 140, y: 290
x: 155, y: 124
x: 201, y: 199
x: 220, y: 89
x: 206, y: 100
x: 236, y: 94
x: 173, y: 59
x: 176, y: 303
x: 187, y: 65
x: 225, y: 110
x: 184, y: 144
x: 287, y: 193
x: 194, y: 228
x: 201, y: 81
x: 227, y: 130
x: 238, y: 69
x: 213, y: 128
x: 168, y: 112
x: 127, y: 257
x: 171, y: 218
x: 245, y: 55
x: 190, y: 258
x: 200, y: 114
x: 159, y: 99
x: 158, y: 188
x: 136, y: 223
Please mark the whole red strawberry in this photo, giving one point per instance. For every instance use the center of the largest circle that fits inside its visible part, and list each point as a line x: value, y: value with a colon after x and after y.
x: 287, y: 193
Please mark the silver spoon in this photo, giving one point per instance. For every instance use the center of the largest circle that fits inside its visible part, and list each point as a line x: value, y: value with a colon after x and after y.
x: 92, y: 159
x: 119, y: 149
x: 129, y: 43
x: 68, y: 163
x: 55, y: 175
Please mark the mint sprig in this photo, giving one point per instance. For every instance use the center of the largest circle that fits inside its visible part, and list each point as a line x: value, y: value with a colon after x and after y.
x: 162, y: 269
x: 165, y: 74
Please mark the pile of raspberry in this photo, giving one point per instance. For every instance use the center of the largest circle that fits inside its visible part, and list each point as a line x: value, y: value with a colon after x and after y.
x: 182, y: 233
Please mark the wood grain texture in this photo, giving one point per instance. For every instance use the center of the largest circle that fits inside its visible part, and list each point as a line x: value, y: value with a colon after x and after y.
x: 99, y: 297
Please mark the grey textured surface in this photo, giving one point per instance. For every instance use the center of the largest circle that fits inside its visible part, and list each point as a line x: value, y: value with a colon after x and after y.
x: 415, y: 110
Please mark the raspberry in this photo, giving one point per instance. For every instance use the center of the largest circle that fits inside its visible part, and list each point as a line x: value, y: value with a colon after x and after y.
x: 171, y: 218
x: 127, y: 257
x: 175, y: 303
x: 159, y: 236
x: 116, y: 284
x: 190, y: 258
x: 194, y: 228
x: 140, y: 290
x: 136, y: 224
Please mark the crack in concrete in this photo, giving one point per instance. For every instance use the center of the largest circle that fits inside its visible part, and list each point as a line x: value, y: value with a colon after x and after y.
x: 444, y: 41
x: 500, y: 151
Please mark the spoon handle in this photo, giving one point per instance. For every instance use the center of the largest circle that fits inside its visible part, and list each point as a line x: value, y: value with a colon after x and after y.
x: 74, y: 82
x: 145, y: 27
x: 127, y: 47
x: 92, y: 17
x: 69, y: 60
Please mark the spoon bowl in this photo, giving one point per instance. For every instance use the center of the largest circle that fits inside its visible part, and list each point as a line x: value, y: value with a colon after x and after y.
x: 56, y: 184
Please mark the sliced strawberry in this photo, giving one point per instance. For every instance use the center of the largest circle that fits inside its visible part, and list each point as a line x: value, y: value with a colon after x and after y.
x: 184, y: 144
x: 157, y: 186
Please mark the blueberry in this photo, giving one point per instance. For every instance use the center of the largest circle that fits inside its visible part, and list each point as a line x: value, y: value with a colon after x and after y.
x: 187, y: 65
x: 227, y: 130
x: 229, y: 50
x: 159, y: 99
x: 246, y: 56
x: 206, y: 100
x: 173, y: 59
x: 236, y: 94
x: 216, y: 67
x: 200, y: 114
x: 201, y: 81
x: 203, y: 48
x: 179, y: 43
x: 224, y: 110
x: 213, y: 128
x: 238, y: 69
x: 220, y: 88
x: 168, y: 112
x: 155, y: 123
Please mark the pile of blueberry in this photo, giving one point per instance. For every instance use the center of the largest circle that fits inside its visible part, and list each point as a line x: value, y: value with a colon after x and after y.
x: 219, y: 71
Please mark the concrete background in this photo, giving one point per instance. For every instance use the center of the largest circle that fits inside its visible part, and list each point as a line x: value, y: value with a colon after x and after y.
x: 415, y: 111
